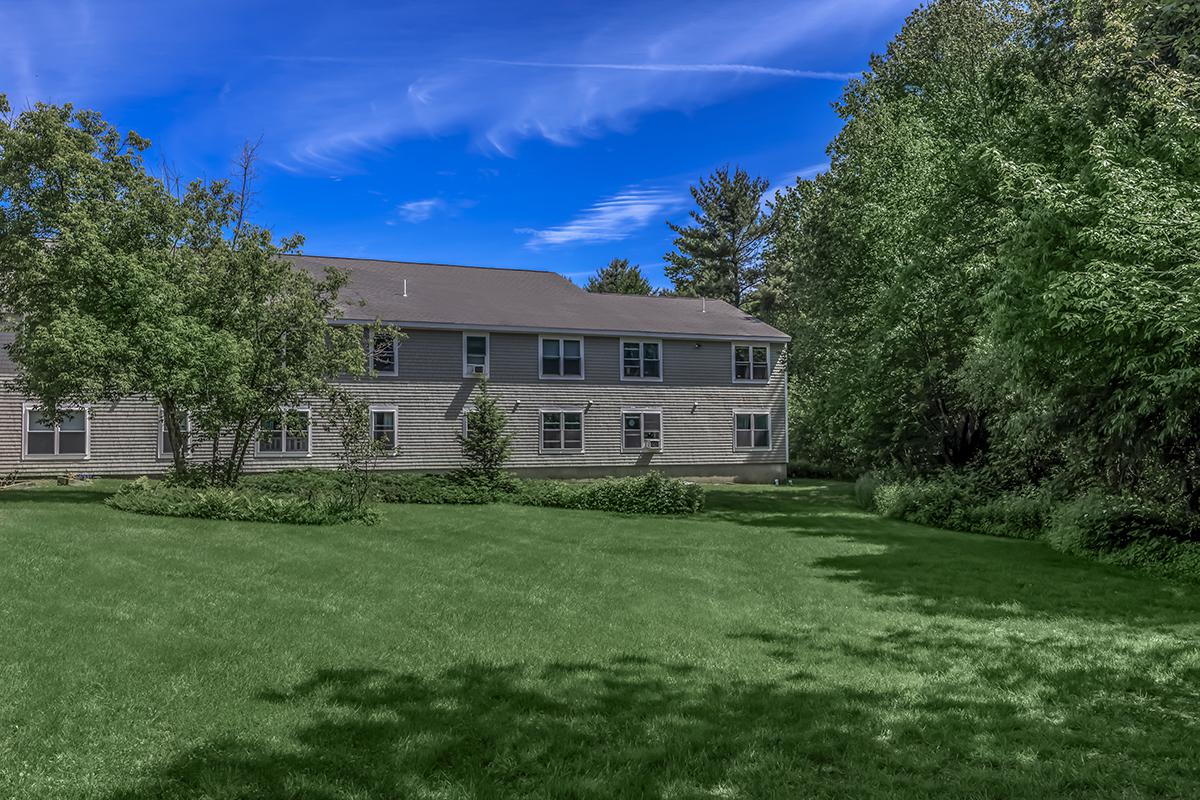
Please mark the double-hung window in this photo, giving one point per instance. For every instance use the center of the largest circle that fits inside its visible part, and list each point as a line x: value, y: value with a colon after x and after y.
x: 286, y: 434
x: 66, y: 438
x: 751, y: 363
x: 475, y: 354
x: 751, y: 430
x: 562, y: 431
x: 383, y: 427
x: 641, y: 360
x: 561, y: 358
x: 184, y: 420
x: 641, y: 429
x: 383, y: 353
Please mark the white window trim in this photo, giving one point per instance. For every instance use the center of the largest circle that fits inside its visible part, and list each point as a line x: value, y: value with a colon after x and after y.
x: 395, y: 370
x: 770, y: 429
x: 560, y: 338
x: 395, y: 425
x: 468, y: 369
x: 87, y: 434
x: 662, y: 429
x: 621, y: 360
x: 733, y: 346
x: 582, y: 431
x: 162, y: 418
x: 285, y: 453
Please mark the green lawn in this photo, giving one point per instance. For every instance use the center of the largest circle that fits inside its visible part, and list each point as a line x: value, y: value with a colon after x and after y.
x: 783, y: 644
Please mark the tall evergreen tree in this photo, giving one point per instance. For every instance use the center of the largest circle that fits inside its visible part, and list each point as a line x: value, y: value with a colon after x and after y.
x: 619, y: 278
x: 721, y: 255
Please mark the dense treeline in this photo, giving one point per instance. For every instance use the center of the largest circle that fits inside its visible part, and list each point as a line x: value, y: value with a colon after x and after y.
x: 994, y: 291
x: 1002, y: 265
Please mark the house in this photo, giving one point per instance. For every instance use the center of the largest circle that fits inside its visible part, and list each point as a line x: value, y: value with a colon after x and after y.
x: 594, y: 384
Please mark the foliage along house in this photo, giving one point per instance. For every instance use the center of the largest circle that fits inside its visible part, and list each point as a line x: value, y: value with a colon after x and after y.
x: 594, y: 384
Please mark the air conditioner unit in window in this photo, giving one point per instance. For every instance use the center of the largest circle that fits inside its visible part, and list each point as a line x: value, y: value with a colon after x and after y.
x: 652, y: 444
x: 477, y: 369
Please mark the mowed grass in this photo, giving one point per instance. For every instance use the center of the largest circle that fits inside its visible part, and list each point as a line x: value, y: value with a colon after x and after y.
x: 782, y: 644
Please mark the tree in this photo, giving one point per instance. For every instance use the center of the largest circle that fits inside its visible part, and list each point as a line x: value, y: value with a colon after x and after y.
x: 349, y: 416
x: 721, y: 255
x: 487, y: 444
x: 619, y: 278
x: 119, y: 288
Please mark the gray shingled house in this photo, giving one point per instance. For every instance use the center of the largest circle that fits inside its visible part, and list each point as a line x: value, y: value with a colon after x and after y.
x: 594, y: 384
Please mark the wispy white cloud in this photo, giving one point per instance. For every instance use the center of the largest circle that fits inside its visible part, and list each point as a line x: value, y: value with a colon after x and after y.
x: 420, y: 210
x: 737, y: 69
x: 609, y: 220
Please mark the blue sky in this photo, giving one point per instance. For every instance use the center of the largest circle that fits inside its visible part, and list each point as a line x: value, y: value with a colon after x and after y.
x: 548, y: 135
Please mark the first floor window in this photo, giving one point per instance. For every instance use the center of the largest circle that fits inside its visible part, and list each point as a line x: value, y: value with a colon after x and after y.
x: 641, y: 361
x: 164, y: 435
x: 562, y: 430
x: 751, y: 363
x: 475, y: 354
x: 286, y: 434
x: 383, y: 427
x: 751, y: 431
x: 562, y: 358
x: 67, y: 437
x: 383, y: 353
x: 642, y: 430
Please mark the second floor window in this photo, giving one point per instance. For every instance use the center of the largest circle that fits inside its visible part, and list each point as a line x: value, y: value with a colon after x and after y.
x: 562, y: 431
x: 641, y: 360
x: 562, y: 358
x: 751, y: 362
x: 475, y: 354
x: 383, y: 354
x: 286, y: 434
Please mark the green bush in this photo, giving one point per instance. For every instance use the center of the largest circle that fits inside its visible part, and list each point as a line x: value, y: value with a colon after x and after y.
x: 1102, y: 523
x: 864, y: 490
x: 1017, y: 515
x: 247, y: 505
x: 653, y: 493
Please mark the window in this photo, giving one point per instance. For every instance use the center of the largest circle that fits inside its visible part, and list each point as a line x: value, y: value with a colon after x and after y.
x: 69, y: 437
x: 751, y: 430
x: 466, y: 419
x: 642, y: 430
x: 475, y: 354
x: 641, y: 360
x: 185, y: 429
x: 286, y: 434
x: 562, y: 431
x: 383, y: 427
x: 383, y: 353
x: 751, y: 363
x: 562, y: 358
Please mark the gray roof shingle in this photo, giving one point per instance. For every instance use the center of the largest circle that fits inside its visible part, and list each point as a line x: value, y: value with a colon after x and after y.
x: 484, y: 298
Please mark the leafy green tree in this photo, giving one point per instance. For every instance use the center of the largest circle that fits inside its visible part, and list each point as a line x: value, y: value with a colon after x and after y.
x: 119, y: 288
x: 721, y: 254
x: 619, y: 278
x: 487, y: 444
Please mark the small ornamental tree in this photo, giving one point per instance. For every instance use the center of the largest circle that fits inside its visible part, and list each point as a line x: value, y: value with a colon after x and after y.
x: 487, y: 444
x: 360, y: 449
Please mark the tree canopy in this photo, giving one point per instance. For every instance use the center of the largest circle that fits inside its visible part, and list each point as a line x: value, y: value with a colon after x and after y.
x: 619, y: 277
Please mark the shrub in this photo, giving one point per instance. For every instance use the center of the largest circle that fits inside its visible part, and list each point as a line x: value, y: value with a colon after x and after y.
x: 1101, y: 523
x: 456, y: 488
x: 247, y: 505
x: 653, y: 493
x: 487, y: 445
x: 1017, y: 515
x: 865, y: 488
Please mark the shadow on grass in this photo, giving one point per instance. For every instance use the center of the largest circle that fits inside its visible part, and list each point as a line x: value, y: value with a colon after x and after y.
x: 635, y: 727
x: 960, y: 574
x: 55, y: 495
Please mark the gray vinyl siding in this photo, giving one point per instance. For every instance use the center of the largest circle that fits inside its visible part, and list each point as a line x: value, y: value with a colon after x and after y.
x: 697, y: 397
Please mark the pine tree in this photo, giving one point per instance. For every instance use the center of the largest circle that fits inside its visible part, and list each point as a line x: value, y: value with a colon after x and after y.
x: 619, y: 278
x: 721, y: 255
x: 486, y: 445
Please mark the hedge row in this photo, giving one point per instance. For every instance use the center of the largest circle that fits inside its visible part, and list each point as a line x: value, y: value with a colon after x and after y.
x: 652, y: 493
x: 244, y: 504
x: 1117, y: 529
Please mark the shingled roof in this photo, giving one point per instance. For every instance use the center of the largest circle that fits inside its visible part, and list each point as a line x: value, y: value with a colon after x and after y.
x: 484, y: 298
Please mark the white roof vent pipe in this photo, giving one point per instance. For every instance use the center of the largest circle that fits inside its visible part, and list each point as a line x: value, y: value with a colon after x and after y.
x: 703, y: 305
x: 406, y: 287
